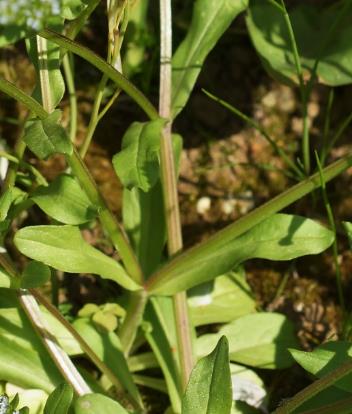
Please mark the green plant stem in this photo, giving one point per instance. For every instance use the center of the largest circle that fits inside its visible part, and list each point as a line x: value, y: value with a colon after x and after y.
x: 169, y: 181
x: 315, y: 388
x: 105, y: 68
x: 133, y: 319
x: 333, y: 228
x: 280, y: 151
x: 108, y: 220
x: 302, y: 87
x: 83, y: 344
x: 60, y: 358
x: 251, y: 219
x: 67, y: 65
x: 11, y: 174
x: 94, y: 119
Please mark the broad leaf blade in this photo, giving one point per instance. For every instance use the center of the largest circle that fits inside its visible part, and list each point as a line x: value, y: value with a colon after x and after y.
x: 34, y: 275
x: 269, y: 34
x: 210, y: 20
x: 325, y: 359
x: 65, y: 201
x: 97, y: 404
x: 259, y: 340
x: 226, y: 299
x: 137, y: 164
x: 46, y: 137
x: 63, y: 248
x: 59, y: 401
x: 280, y: 237
x: 209, y: 387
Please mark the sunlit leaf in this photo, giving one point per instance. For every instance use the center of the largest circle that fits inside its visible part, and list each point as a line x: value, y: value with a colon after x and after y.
x: 47, y: 137
x: 59, y: 401
x: 225, y: 299
x: 209, y: 389
x: 210, y: 20
x: 137, y: 164
x: 325, y: 359
x: 280, y: 237
x: 259, y: 340
x: 97, y: 404
x: 63, y: 248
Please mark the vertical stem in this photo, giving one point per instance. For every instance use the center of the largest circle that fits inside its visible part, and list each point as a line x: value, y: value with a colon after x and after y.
x: 168, y: 173
x: 67, y: 62
x: 44, y: 74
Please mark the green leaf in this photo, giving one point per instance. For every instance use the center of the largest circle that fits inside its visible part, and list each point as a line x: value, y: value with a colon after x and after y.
x: 9, y: 197
x: 65, y: 201
x: 325, y: 359
x: 137, y: 164
x: 280, y: 237
x: 224, y: 300
x: 59, y: 401
x: 25, y: 367
x: 11, y: 33
x: 50, y: 62
x: 97, y: 404
x: 63, y: 248
x: 108, y: 348
x: 71, y: 9
x: 348, y: 229
x: 34, y: 275
x: 269, y: 34
x: 7, y: 281
x: 209, y: 388
x: 258, y: 340
x: 46, y: 137
x: 143, y: 219
x: 210, y: 20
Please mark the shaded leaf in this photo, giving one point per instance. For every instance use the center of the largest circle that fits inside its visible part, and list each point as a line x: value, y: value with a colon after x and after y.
x: 269, y: 34
x: 137, y: 164
x: 59, y: 401
x: 224, y: 300
x: 63, y: 248
x: 108, y: 348
x: 210, y: 20
x: 280, y: 237
x: 97, y: 404
x: 34, y: 275
x: 46, y: 137
x: 65, y: 201
x: 259, y: 340
x: 209, y: 388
